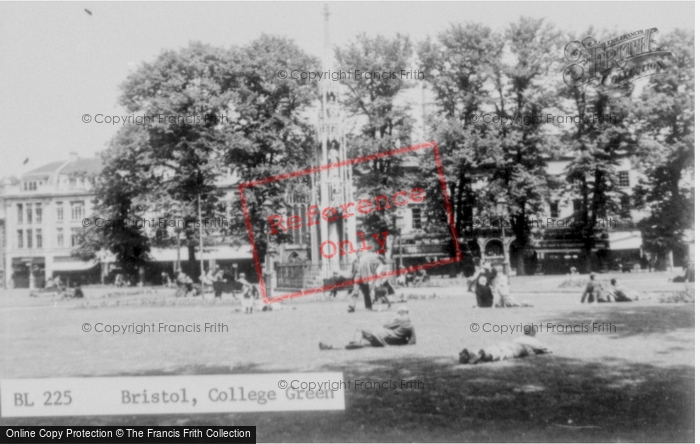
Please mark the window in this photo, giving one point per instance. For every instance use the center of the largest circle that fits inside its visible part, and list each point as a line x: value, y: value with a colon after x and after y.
x: 29, y: 213
x: 625, y: 206
x: 554, y: 209
x: 39, y: 239
x: 29, y: 186
x: 577, y: 205
x: 77, y: 209
x: 59, y: 237
x: 37, y: 213
x: 59, y: 211
x: 415, y: 216
x: 74, y: 237
x: 20, y: 213
x: 20, y: 239
x: 29, y: 239
x: 623, y: 178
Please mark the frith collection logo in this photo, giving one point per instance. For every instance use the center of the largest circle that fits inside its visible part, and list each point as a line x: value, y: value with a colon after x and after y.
x: 616, y: 62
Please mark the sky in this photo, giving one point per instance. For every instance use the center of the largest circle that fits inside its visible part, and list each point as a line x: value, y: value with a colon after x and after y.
x: 58, y: 63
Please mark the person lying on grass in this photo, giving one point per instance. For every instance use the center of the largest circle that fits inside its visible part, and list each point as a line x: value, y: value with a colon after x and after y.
x: 520, y: 348
x: 398, y: 332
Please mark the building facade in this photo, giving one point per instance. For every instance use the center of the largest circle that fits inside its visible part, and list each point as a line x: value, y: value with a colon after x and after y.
x: 44, y: 212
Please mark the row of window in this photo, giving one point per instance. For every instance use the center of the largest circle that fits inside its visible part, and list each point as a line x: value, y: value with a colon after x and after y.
x: 73, y: 182
x: 32, y: 213
x: 35, y: 239
x: 31, y: 185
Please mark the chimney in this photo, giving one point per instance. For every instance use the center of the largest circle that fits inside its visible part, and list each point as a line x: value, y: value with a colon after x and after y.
x: 73, y: 156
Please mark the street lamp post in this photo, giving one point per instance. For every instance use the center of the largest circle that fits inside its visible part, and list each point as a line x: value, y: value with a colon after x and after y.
x: 398, y: 227
x: 175, y: 211
x: 201, y: 243
x: 501, y: 210
x: 267, y: 272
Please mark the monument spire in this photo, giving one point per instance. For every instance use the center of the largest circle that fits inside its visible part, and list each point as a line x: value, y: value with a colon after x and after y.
x: 334, y: 185
x: 327, y: 50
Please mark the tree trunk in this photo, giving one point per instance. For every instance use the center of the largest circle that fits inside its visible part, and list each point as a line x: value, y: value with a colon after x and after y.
x: 520, y: 263
x: 588, y: 261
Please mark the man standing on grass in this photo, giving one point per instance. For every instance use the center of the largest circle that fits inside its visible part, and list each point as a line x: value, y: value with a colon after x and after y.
x: 367, y: 267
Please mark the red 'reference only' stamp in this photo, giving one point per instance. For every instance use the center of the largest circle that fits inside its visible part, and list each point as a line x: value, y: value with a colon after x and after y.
x: 361, y: 207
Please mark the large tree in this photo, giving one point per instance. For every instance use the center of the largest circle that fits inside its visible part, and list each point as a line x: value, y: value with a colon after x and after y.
x: 459, y: 66
x: 666, y: 119
x: 384, y: 121
x: 525, y: 83
x: 209, y: 113
x: 119, y: 202
x: 600, y: 137
x: 272, y: 135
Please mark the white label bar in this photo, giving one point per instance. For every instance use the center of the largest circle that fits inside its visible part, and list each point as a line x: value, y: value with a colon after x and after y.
x: 152, y: 395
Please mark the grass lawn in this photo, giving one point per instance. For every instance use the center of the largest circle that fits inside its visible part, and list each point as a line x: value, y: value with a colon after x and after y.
x: 632, y: 384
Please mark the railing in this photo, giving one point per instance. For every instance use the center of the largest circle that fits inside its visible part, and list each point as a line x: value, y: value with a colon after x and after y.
x: 298, y: 276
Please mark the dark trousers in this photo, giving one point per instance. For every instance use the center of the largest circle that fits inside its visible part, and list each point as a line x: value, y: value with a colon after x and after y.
x: 217, y: 288
x: 367, y: 294
x: 484, y: 297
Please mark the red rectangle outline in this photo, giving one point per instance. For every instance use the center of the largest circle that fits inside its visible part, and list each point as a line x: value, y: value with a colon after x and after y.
x: 448, y: 207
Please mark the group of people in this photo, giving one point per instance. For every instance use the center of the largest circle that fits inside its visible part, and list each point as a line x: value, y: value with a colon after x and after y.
x: 595, y: 292
x: 490, y: 281
x: 62, y: 290
x: 366, y: 269
x: 416, y: 279
x: 215, y: 280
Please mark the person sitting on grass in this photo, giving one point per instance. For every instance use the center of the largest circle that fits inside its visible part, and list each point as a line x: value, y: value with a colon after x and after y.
x: 484, y: 294
x: 594, y: 292
x: 78, y: 292
x: 398, y: 332
x: 75, y: 292
x: 501, y: 288
x: 522, y: 347
x: 184, y: 283
x: 622, y: 294
x: 421, y: 277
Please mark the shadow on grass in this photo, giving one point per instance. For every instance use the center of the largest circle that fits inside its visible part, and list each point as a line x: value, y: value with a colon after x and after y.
x: 546, y: 398
x: 630, y: 320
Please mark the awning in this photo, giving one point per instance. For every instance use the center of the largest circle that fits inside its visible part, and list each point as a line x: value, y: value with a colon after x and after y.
x: 210, y: 253
x: 73, y: 266
x: 625, y: 240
